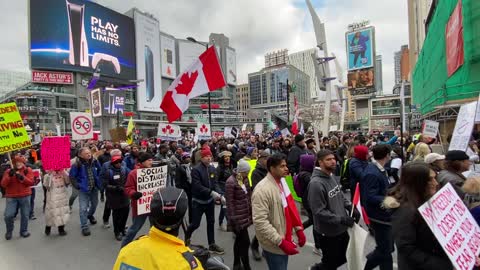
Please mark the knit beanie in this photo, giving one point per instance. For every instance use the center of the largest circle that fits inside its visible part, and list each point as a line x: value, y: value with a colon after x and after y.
x: 243, y: 166
x: 206, y: 152
x: 360, y: 152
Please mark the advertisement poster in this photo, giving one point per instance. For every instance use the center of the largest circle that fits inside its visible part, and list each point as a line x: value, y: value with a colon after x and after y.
x: 169, y: 132
x: 81, y: 125
x: 81, y: 36
x: 231, y: 66
x: 13, y: 135
x: 360, y: 52
x: 188, y: 52
x: 169, y: 66
x: 56, y: 153
x: 454, y: 227
x: 361, y: 79
x: 149, y: 180
x: 52, y: 77
x: 463, y: 127
x: 96, y: 102
x: 113, y: 101
x: 147, y: 42
x: 454, y: 40
x: 430, y: 128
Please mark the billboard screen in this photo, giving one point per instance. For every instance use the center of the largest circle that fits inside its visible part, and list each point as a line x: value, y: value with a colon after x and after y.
x: 168, y: 56
x: 361, y: 79
x: 52, y: 77
x: 231, y: 66
x: 188, y: 52
x: 360, y: 51
x: 81, y: 36
x: 113, y: 101
x: 147, y: 36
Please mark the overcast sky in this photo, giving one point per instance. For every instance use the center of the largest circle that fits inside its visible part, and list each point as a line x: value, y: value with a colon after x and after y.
x: 253, y: 26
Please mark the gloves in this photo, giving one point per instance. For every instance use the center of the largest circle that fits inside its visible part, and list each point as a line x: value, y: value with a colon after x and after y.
x: 11, y: 173
x: 19, y: 177
x: 137, y: 195
x: 215, y: 195
x: 347, y: 221
x: 222, y: 199
x: 301, y: 238
x: 288, y: 247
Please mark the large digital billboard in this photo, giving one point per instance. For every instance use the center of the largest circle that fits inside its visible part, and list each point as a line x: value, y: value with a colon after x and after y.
x: 360, y: 48
x: 168, y: 56
x: 81, y: 36
x: 231, y: 66
x: 147, y: 36
x: 113, y: 101
x: 187, y: 53
x: 361, y: 79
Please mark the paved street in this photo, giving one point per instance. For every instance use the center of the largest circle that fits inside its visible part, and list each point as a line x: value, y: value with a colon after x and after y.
x: 76, y: 252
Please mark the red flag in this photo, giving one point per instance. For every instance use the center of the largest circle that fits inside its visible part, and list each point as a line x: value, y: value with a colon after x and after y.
x: 295, y: 119
x: 202, y: 76
x: 357, y: 204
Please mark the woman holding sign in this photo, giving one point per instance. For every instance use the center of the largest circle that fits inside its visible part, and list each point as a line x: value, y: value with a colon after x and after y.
x: 57, y: 211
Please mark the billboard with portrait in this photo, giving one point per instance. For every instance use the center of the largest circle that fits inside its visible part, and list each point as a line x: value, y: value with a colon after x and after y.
x: 361, y: 79
x: 113, y: 101
x: 360, y: 48
x: 82, y: 36
x: 147, y: 43
x: 168, y: 56
x: 231, y: 66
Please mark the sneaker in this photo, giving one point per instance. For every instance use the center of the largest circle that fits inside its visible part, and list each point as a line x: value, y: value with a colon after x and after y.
x: 256, y: 255
x: 223, y: 227
x: 48, y: 230
x: 214, y: 248
x: 119, y: 237
x: 86, y: 232
x: 8, y: 236
x: 92, y: 219
x: 106, y: 225
x: 317, y: 251
x: 25, y: 234
x: 33, y: 217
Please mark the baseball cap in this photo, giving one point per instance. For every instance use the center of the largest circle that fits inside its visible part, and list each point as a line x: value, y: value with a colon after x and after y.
x: 432, y: 157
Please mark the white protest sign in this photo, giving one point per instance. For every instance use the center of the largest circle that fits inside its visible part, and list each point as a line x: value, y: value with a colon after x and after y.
x: 285, y: 132
x: 333, y: 128
x: 258, y: 128
x: 430, y: 128
x: 230, y: 132
x: 169, y: 132
x: 149, y: 180
x: 477, y: 115
x: 81, y: 125
x: 355, y: 249
x: 454, y: 227
x: 244, y: 127
x: 463, y: 127
x: 204, y: 131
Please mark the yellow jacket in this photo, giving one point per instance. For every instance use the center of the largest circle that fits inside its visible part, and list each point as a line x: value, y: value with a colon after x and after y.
x: 156, y: 251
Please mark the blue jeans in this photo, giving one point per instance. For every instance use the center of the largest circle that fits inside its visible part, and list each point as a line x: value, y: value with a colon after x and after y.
x: 88, y: 204
x: 276, y: 261
x: 32, y: 203
x: 382, y: 255
x: 137, y: 224
x: 10, y: 210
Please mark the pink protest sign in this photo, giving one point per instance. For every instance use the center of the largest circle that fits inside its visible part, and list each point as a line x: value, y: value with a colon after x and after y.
x: 453, y: 226
x: 55, y: 153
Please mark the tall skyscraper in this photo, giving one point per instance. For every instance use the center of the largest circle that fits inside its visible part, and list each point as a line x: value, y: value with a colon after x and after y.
x: 378, y: 75
x: 418, y: 12
x: 304, y: 62
x: 401, y: 62
x: 10, y: 80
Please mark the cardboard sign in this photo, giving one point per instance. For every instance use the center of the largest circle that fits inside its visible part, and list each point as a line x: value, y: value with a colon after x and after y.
x: 118, y: 134
x: 258, y: 128
x: 430, y: 128
x: 230, y: 132
x: 204, y: 131
x: 149, y: 180
x: 81, y: 125
x: 453, y: 226
x: 463, y: 127
x: 169, y: 132
x: 13, y: 135
x: 55, y: 153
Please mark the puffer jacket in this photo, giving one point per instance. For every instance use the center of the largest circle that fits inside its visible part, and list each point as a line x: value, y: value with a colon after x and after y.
x: 114, y: 181
x: 417, y: 247
x: 57, y: 211
x: 239, y: 210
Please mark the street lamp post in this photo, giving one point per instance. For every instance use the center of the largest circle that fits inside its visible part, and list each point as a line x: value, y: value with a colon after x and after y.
x: 191, y: 39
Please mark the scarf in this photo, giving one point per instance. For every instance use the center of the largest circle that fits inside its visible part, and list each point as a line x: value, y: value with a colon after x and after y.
x: 292, y: 218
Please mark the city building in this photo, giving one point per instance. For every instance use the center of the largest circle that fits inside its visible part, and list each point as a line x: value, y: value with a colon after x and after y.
x: 242, y: 99
x: 385, y: 112
x: 401, y: 64
x: 268, y: 89
x: 378, y: 75
x: 10, y: 80
x: 276, y: 58
x: 303, y: 61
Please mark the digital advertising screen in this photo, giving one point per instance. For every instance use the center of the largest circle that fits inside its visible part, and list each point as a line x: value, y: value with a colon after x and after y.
x: 113, y: 101
x: 231, y: 66
x: 361, y: 79
x: 360, y: 51
x: 169, y: 54
x: 81, y: 36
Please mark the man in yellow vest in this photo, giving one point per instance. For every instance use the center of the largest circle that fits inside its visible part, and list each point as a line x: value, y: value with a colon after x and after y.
x: 161, y: 248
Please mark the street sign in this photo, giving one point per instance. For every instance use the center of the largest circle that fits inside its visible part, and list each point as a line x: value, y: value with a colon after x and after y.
x: 82, y: 126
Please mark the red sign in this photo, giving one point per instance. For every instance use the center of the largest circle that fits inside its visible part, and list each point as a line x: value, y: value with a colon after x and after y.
x: 454, y: 38
x: 52, y: 77
x: 55, y: 153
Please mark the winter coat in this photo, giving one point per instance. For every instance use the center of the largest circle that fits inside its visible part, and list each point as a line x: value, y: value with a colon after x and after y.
x: 57, y: 211
x: 223, y: 173
x: 374, y: 187
x: 183, y: 178
x: 258, y: 174
x: 79, y: 174
x: 456, y: 179
x: 204, y: 181
x: 417, y: 247
x: 14, y: 188
x: 239, y: 210
x: 327, y: 203
x: 104, y: 158
x: 293, y: 160
x: 356, y: 168
x: 307, y: 164
x: 114, y: 180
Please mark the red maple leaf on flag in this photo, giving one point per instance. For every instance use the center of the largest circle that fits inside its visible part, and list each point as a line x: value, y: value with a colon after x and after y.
x: 186, y: 83
x: 204, y: 129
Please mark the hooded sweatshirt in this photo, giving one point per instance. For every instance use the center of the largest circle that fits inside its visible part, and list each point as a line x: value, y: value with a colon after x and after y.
x: 307, y: 164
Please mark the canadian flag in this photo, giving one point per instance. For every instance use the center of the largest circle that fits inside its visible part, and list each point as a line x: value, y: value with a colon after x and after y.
x: 357, y: 204
x: 295, y: 118
x: 202, y: 76
x: 292, y: 217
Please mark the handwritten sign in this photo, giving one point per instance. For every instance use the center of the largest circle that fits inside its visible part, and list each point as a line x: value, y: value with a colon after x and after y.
x: 430, y: 128
x: 258, y: 128
x: 149, y: 180
x: 453, y: 226
x: 13, y: 135
x: 56, y: 153
x: 463, y: 127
